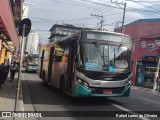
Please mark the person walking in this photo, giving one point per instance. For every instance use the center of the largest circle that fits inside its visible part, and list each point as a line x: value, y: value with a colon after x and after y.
x: 158, y: 85
x: 13, y: 70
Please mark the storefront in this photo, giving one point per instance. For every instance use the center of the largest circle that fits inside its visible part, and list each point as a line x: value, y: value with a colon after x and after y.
x: 145, y: 71
x: 8, y: 35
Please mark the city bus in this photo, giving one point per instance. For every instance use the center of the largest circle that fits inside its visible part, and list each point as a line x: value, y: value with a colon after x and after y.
x: 31, y: 62
x: 88, y: 63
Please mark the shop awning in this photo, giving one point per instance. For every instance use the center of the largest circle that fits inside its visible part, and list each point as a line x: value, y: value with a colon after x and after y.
x: 7, y: 25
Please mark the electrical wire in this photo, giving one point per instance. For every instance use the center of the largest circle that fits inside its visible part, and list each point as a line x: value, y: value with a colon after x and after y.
x: 89, y: 18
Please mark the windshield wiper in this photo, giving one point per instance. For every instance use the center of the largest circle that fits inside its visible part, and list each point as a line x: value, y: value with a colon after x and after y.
x: 102, y: 56
x: 115, y: 53
x: 118, y: 47
x: 98, y: 48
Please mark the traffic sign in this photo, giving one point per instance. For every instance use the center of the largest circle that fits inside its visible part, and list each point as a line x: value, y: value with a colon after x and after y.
x: 26, y: 24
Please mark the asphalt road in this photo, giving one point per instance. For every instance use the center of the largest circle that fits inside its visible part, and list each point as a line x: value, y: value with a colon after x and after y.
x: 40, y: 98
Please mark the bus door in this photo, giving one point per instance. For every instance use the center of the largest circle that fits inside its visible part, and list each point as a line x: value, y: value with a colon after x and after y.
x: 50, y: 64
x: 41, y: 64
x: 70, y: 65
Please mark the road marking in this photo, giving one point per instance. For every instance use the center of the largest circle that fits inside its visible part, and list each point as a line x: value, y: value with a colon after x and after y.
x: 149, y: 100
x: 127, y: 110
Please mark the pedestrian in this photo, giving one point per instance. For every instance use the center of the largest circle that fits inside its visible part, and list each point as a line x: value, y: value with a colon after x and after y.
x: 13, y: 70
x: 158, y: 84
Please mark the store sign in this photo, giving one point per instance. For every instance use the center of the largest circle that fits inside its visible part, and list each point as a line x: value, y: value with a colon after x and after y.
x: 149, y: 58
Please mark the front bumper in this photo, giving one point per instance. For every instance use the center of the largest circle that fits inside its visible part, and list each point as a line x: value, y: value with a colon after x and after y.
x: 31, y: 69
x: 81, y: 91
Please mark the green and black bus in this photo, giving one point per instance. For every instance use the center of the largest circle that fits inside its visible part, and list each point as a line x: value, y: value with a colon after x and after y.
x: 88, y: 63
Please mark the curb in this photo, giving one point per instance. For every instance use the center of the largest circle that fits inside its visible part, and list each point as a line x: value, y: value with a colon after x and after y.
x: 144, y: 89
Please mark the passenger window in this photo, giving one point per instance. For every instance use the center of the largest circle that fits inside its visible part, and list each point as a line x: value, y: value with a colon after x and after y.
x: 66, y: 53
x: 46, y: 54
x: 59, y: 51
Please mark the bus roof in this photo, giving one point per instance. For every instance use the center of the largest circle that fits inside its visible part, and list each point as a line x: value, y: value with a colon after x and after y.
x: 79, y: 33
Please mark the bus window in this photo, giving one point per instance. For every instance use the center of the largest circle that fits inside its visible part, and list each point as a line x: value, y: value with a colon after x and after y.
x: 66, y: 53
x: 59, y: 52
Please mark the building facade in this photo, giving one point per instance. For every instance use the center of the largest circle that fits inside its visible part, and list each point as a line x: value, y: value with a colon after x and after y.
x: 31, y: 42
x: 58, y: 31
x: 10, y: 15
x: 145, y: 34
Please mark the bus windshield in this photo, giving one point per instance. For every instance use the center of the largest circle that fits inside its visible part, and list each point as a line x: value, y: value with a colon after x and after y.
x: 104, y: 57
x: 33, y: 59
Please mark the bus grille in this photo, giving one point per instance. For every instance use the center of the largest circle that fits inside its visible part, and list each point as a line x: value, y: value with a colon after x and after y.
x: 100, y: 90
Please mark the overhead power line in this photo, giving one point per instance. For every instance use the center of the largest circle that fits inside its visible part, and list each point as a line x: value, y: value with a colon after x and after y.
x: 70, y: 3
x: 98, y: 3
x: 49, y: 20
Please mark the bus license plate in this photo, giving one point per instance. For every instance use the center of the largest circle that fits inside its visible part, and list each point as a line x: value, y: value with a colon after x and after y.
x: 107, y: 91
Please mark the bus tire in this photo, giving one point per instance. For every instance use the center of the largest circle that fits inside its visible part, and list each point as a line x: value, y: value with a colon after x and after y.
x: 62, y: 87
x: 43, y: 79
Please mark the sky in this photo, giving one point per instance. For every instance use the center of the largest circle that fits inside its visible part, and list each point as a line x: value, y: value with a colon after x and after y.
x: 45, y: 13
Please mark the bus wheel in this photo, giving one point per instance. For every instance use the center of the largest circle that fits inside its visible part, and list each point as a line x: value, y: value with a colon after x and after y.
x: 43, y: 79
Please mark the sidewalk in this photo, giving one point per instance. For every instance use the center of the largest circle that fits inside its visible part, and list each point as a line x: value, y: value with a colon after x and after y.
x: 8, y: 96
x: 144, y: 89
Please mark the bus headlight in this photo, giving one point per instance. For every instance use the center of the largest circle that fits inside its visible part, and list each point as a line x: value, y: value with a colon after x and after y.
x: 86, y: 84
x: 130, y: 77
x: 129, y: 80
x: 82, y: 82
x: 127, y: 84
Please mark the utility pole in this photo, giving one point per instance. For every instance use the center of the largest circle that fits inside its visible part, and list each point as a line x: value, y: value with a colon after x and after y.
x: 124, y: 13
x: 101, y: 20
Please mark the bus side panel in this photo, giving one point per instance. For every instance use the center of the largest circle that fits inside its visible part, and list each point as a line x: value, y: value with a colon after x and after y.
x: 54, y: 74
x: 45, y: 64
x: 57, y: 66
x: 50, y: 64
x: 39, y: 63
x: 57, y: 72
x: 46, y: 70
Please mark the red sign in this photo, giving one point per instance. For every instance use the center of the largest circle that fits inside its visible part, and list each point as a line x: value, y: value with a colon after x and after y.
x: 107, y: 91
